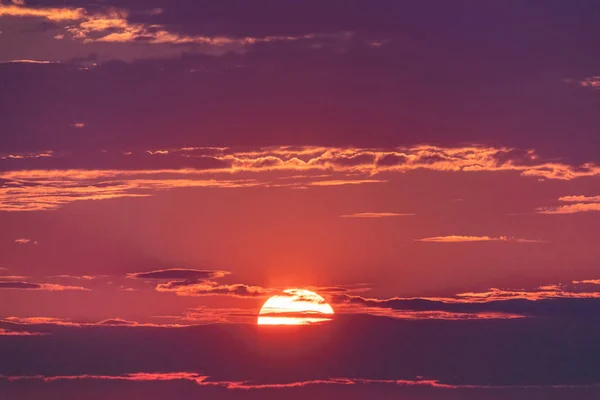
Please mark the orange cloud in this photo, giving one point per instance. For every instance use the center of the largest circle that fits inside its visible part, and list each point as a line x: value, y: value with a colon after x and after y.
x: 580, y: 199
x: 112, y: 25
x: 375, y: 215
x: 462, y: 239
x: 49, y: 189
x: 51, y: 14
x: 342, y: 182
x: 570, y: 208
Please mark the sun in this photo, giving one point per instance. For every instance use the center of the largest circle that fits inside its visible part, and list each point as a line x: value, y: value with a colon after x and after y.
x: 295, y: 307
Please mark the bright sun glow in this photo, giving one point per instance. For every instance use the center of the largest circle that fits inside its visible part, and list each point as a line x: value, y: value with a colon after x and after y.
x: 295, y: 307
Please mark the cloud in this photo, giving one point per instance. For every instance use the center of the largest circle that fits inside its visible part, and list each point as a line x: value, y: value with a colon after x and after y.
x: 39, y: 286
x: 6, y: 332
x: 203, y: 380
x: 592, y: 82
x: 80, y: 277
x: 68, y: 179
x: 463, y: 239
x: 375, y: 215
x: 28, y: 61
x: 577, y: 204
x: 25, y: 241
x: 577, y: 298
x: 48, y: 194
x: 342, y: 182
x: 570, y: 209
x: 184, y: 288
x: 91, y: 30
x: 111, y: 322
x: 193, y: 282
x: 178, y: 273
x: 580, y: 199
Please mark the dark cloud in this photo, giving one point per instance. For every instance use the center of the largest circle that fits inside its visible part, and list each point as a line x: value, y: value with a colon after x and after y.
x: 38, y: 286
x: 194, y: 288
x: 482, y: 352
x: 19, y: 285
x: 179, y: 273
x: 557, y: 307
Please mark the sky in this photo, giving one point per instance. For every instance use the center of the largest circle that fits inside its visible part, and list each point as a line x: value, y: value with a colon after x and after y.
x: 430, y: 169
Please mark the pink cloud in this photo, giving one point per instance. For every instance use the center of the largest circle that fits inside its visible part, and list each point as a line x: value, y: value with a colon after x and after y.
x: 203, y: 380
x: 25, y: 241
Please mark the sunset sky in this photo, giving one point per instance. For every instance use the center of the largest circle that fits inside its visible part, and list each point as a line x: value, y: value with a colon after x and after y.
x: 431, y: 169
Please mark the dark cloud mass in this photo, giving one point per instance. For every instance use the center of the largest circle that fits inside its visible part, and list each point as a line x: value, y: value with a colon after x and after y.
x: 176, y: 273
x: 19, y: 285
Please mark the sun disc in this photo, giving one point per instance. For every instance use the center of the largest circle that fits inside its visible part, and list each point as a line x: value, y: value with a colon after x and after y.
x: 295, y: 307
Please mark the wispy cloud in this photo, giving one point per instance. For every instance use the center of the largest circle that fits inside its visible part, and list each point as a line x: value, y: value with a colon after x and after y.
x: 25, y: 189
x: 112, y: 322
x: 79, y: 277
x: 208, y: 288
x: 7, y: 332
x: 50, y: 287
x: 592, y: 82
x: 577, y: 204
x: 179, y: 273
x: 342, y: 182
x: 112, y: 25
x: 463, y: 239
x: 204, y: 380
x: 576, y: 298
x: 570, y: 208
x: 375, y: 215
x: 28, y: 61
x: 580, y: 199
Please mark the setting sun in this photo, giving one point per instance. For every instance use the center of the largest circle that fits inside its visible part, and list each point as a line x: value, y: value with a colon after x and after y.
x: 295, y: 307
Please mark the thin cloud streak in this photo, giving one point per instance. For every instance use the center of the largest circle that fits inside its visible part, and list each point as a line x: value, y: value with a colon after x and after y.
x: 50, y: 287
x: 111, y: 322
x: 204, y: 380
x: 570, y: 208
x: 375, y: 215
x: 467, y: 239
x: 6, y: 332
